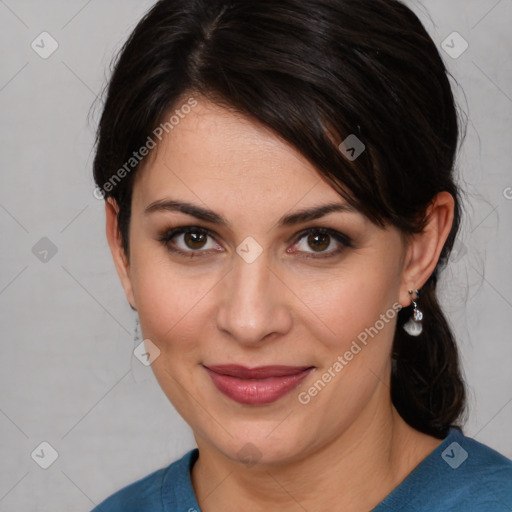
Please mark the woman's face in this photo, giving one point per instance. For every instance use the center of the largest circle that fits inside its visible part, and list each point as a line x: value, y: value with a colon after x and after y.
x: 269, y: 285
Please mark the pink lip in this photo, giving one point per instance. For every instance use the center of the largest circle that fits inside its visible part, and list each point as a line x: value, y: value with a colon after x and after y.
x: 261, y: 385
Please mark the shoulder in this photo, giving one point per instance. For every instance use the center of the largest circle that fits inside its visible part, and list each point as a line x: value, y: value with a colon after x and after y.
x: 148, y: 492
x: 460, y: 474
x: 145, y: 492
x: 470, y: 474
x: 484, y: 470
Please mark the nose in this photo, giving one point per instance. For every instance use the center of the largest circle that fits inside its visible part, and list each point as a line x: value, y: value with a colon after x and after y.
x: 255, y: 303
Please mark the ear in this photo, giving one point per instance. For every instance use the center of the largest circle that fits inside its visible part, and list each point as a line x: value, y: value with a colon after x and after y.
x: 118, y: 254
x: 424, y: 248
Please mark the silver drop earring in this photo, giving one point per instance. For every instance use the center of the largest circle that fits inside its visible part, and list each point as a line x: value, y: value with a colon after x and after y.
x: 413, y: 326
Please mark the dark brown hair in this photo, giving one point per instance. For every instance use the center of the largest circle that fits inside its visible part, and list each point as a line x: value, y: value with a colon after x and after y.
x: 314, y: 72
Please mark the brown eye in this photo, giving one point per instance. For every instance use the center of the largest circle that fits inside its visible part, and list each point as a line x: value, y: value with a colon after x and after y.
x: 189, y: 241
x: 194, y: 240
x: 319, y: 241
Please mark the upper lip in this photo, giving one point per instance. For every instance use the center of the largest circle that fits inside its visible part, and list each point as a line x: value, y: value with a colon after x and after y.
x: 260, y: 372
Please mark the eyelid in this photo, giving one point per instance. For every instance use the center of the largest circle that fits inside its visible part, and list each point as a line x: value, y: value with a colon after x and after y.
x: 328, y: 231
x: 170, y: 233
x: 342, y: 239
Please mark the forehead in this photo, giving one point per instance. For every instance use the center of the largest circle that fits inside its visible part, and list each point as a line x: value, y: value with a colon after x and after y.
x: 223, y: 158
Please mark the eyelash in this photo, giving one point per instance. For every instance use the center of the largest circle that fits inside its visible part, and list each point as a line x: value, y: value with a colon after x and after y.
x: 342, y: 239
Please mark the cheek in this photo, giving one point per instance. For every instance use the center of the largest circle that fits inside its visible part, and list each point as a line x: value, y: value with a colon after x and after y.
x: 353, y: 354
x: 172, y: 301
x: 347, y: 302
x: 172, y: 308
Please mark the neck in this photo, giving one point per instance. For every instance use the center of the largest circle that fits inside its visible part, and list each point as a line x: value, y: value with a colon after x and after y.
x: 355, y: 471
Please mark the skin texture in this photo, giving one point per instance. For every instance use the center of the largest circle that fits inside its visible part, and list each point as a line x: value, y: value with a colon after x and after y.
x: 347, y: 448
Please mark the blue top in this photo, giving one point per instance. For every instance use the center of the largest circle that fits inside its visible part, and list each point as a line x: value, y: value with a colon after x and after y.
x: 460, y: 475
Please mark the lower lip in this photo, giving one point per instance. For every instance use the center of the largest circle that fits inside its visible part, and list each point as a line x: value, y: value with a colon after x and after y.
x: 257, y: 391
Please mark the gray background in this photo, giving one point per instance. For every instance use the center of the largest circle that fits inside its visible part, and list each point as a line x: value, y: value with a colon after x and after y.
x: 68, y: 376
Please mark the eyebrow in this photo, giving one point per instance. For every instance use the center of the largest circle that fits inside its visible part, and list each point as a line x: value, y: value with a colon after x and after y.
x: 207, y: 215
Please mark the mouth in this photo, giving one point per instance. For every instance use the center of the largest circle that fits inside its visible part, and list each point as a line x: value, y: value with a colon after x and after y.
x: 257, y: 386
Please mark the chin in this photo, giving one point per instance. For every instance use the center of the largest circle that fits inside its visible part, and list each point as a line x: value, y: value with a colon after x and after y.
x: 259, y: 443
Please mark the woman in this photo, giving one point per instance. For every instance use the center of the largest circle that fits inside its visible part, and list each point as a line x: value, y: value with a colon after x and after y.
x: 279, y: 192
